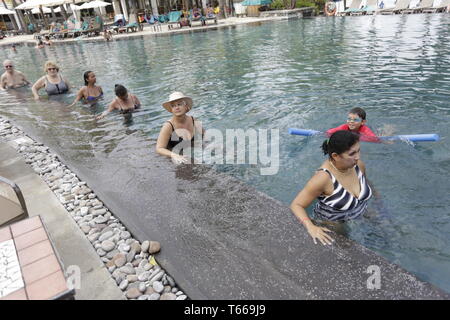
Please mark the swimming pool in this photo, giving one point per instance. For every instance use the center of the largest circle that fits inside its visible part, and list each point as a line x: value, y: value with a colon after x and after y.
x: 302, y: 73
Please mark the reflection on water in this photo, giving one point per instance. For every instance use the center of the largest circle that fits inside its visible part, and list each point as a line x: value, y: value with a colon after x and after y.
x: 303, y: 73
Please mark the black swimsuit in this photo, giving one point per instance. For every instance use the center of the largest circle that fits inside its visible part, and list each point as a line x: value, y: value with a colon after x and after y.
x: 173, y: 142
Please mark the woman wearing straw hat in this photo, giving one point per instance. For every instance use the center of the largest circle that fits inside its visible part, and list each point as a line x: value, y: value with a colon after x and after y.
x: 180, y: 127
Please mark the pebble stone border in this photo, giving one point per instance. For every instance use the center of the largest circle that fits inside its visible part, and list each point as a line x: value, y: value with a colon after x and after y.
x: 131, y: 264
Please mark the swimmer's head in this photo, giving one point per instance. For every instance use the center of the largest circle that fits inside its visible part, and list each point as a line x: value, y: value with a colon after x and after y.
x: 87, y: 75
x: 356, y: 118
x: 178, y: 98
x: 8, y: 64
x: 120, y: 90
x: 339, y: 143
x: 50, y: 65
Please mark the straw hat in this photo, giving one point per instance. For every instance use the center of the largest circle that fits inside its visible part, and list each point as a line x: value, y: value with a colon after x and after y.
x: 177, y: 96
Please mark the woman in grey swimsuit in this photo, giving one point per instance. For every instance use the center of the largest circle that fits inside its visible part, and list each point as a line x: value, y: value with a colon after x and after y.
x: 53, y: 82
x: 339, y: 185
x: 125, y: 102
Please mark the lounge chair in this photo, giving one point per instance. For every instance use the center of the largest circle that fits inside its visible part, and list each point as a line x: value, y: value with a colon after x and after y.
x: 210, y: 16
x: 195, y: 16
x: 441, y: 7
x: 399, y: 6
x: 174, y: 19
x: 133, y: 25
x: 10, y: 210
x: 153, y: 21
x: 370, y: 7
x: 354, y: 7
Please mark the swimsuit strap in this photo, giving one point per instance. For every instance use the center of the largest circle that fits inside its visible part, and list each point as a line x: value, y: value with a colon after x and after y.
x: 173, y: 129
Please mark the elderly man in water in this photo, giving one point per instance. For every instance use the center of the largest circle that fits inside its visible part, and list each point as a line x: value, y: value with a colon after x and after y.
x: 12, y: 78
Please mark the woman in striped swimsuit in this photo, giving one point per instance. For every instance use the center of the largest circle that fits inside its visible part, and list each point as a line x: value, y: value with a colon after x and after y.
x: 339, y: 185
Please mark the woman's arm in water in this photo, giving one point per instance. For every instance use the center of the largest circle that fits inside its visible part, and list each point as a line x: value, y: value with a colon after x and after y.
x: 314, y: 188
x: 111, y: 107
x: 38, y: 85
x: 161, y: 145
x: 80, y: 95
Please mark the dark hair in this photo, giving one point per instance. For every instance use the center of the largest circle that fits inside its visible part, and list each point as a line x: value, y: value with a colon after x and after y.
x: 85, y: 77
x: 339, y: 142
x: 120, y: 90
x: 360, y: 112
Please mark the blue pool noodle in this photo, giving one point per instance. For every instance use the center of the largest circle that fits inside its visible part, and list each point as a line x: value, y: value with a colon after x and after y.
x: 410, y: 137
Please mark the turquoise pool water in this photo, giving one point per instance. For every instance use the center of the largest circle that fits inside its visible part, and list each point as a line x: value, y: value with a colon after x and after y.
x: 302, y: 73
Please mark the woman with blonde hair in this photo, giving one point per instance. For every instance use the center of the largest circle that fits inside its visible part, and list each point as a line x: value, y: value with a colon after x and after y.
x: 53, y: 82
x: 180, y: 127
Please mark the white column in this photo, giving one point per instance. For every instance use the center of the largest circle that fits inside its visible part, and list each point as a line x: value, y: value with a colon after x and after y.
x: 116, y: 7
x: 154, y: 7
x: 76, y: 13
x: 125, y: 11
x: 18, y: 22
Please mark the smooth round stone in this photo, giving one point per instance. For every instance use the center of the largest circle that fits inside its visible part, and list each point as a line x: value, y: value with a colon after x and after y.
x: 155, y: 247
x: 120, y: 260
x: 108, y: 245
x: 132, y: 278
x: 154, y: 296
x: 143, y: 297
x: 182, y: 297
x: 127, y: 270
x: 145, y: 245
x: 174, y: 290
x: 158, y: 286
x: 123, y: 247
x: 171, y: 281
x: 123, y: 285
x: 147, y: 266
x: 133, y: 293
x: 106, y: 235
x: 86, y: 229
x: 168, y: 296
x: 142, y: 287
x: 100, y: 220
x: 101, y: 252
x: 144, y: 276
x: 125, y: 235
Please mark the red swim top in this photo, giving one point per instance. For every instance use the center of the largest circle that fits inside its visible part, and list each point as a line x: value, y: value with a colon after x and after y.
x: 365, y: 132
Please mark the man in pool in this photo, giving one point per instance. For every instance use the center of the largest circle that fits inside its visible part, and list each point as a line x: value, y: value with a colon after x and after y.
x: 356, y: 122
x: 12, y: 78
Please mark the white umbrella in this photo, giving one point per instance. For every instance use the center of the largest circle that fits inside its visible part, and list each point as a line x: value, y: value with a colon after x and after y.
x: 4, y: 11
x: 44, y: 9
x: 36, y: 3
x: 94, y: 4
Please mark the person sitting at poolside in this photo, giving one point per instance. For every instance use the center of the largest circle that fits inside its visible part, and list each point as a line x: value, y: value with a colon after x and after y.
x: 196, y: 13
x: 11, y: 78
x: 356, y: 122
x: 53, y: 82
x: 90, y: 93
x: 340, y: 185
x: 210, y: 12
x: 180, y: 127
x: 125, y: 102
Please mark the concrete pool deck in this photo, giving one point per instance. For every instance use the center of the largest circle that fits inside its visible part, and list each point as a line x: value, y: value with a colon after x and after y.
x: 147, y: 31
x: 71, y: 244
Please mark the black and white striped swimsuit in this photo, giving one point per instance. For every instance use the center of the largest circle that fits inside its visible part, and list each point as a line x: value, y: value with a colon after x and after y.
x: 341, y: 204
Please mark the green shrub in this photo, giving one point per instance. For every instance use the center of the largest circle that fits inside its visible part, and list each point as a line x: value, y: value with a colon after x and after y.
x: 277, y: 5
x: 305, y: 3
